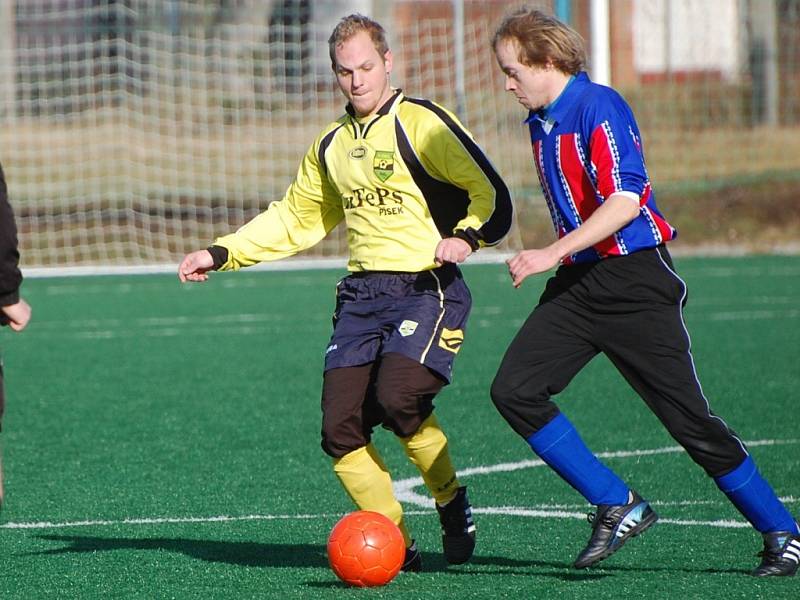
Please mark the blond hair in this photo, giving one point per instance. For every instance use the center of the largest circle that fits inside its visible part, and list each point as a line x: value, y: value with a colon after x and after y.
x: 350, y: 26
x: 542, y: 39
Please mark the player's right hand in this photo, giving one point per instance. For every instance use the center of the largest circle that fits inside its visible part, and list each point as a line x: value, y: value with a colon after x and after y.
x: 531, y: 262
x: 452, y: 250
x: 17, y: 315
x: 195, y: 266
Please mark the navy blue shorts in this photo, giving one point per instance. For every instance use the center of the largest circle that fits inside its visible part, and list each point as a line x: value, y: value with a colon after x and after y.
x: 419, y: 315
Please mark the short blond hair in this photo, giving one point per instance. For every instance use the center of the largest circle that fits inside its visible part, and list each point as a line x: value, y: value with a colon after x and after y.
x: 542, y: 39
x: 350, y: 26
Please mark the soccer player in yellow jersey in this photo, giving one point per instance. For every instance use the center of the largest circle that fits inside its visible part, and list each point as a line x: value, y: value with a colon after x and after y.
x: 417, y: 196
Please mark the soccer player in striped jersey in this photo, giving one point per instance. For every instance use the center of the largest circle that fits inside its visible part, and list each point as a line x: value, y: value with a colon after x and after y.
x: 417, y: 196
x: 14, y: 311
x: 616, y: 291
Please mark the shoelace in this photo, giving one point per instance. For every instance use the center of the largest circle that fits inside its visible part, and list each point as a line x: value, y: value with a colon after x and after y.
x: 453, y: 523
x: 772, y: 555
x: 454, y: 520
x: 606, y: 520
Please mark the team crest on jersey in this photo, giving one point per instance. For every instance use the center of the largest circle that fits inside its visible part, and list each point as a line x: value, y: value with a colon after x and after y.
x: 407, y: 328
x: 358, y: 152
x: 451, y: 339
x: 383, y: 164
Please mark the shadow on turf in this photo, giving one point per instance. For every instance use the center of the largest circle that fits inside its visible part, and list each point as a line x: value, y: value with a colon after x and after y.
x: 251, y: 554
x: 248, y: 554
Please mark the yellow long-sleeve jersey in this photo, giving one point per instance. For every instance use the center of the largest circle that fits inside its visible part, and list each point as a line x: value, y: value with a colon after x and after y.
x: 402, y: 180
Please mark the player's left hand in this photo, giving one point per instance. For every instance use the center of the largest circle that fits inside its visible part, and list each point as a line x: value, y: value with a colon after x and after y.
x: 452, y: 250
x: 531, y: 262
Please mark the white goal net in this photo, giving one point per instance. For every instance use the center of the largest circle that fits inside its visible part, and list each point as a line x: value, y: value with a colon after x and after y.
x: 135, y: 131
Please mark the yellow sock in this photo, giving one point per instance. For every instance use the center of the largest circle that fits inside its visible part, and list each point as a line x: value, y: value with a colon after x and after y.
x: 366, y: 480
x: 427, y: 449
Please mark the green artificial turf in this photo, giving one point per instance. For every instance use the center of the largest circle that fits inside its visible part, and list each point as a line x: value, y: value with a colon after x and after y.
x: 162, y: 441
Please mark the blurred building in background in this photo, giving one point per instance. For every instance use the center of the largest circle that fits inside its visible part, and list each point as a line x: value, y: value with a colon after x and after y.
x: 134, y: 130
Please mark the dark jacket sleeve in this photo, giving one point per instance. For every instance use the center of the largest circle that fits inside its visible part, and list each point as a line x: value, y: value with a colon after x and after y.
x: 10, y: 275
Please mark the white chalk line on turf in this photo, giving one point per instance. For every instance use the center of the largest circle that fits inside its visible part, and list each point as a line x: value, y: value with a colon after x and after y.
x: 404, y: 490
x: 163, y: 521
x: 559, y: 514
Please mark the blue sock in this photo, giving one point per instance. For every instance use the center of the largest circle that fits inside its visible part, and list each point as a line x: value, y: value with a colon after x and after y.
x: 755, y: 499
x: 559, y: 445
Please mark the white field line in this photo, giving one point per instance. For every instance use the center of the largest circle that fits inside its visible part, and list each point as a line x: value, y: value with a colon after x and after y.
x: 404, y: 490
x: 249, y: 324
x: 486, y: 256
x: 162, y: 521
x: 558, y: 514
x: 750, y: 315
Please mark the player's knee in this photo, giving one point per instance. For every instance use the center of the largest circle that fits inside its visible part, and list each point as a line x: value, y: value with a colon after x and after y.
x: 405, y: 391
x: 338, y: 448
x: 404, y: 413
x: 404, y: 427
x: 403, y: 422
x: 502, y: 395
x: 522, y: 407
x: 338, y: 440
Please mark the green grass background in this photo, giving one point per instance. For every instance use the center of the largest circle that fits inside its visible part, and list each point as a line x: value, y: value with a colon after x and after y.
x: 135, y: 397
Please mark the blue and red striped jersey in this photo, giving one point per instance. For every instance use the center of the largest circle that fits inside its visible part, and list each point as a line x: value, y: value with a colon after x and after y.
x: 587, y: 147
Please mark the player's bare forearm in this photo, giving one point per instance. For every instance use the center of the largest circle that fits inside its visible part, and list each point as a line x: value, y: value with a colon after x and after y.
x: 610, y: 217
x: 195, y: 266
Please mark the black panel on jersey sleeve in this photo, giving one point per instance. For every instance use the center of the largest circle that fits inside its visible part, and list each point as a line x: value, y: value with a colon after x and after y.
x: 323, y: 146
x: 499, y: 223
x: 446, y: 202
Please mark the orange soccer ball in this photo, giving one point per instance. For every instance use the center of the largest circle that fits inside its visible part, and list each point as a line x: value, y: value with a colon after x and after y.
x: 366, y: 549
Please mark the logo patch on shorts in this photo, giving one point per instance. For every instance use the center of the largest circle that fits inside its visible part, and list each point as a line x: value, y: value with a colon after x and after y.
x: 407, y: 328
x: 451, y: 339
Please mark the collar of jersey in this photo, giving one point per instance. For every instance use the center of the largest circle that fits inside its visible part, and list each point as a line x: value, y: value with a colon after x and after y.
x: 387, y: 108
x: 558, y: 108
